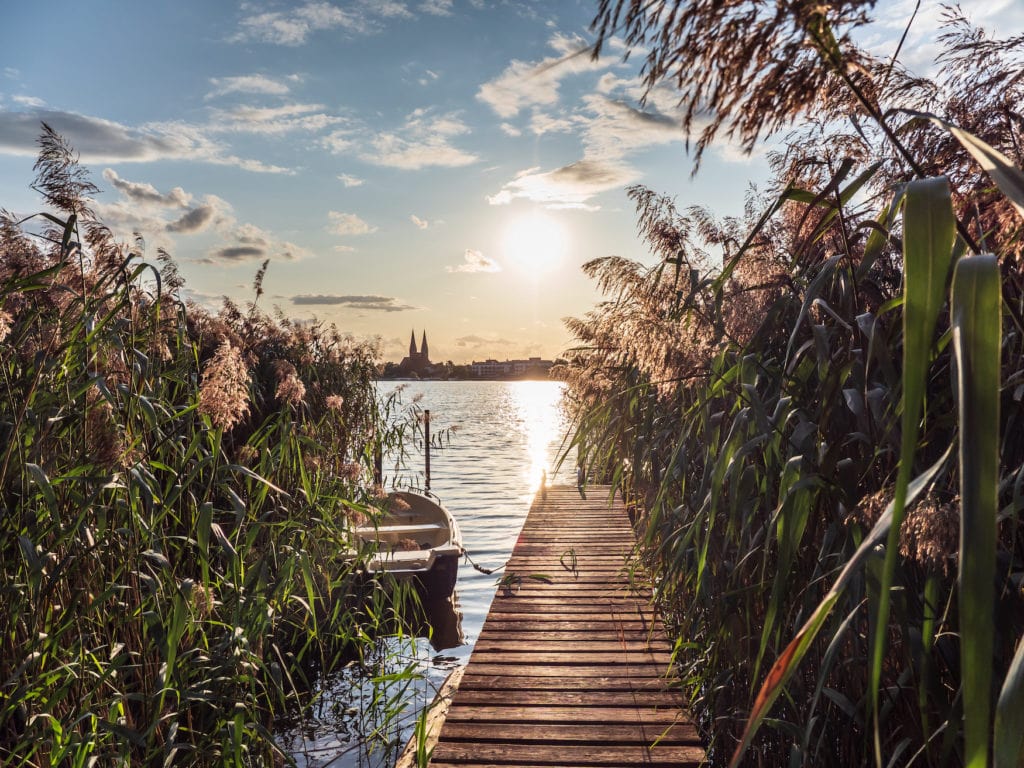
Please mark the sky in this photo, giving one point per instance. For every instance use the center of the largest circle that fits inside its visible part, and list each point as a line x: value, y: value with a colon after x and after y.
x: 438, y: 165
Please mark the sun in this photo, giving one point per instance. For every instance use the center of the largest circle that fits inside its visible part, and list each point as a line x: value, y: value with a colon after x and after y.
x: 535, y: 243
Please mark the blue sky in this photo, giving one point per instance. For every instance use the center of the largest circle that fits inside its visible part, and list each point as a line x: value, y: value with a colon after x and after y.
x: 434, y: 164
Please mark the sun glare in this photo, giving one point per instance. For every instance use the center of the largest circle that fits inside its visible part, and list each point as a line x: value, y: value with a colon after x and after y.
x: 535, y: 243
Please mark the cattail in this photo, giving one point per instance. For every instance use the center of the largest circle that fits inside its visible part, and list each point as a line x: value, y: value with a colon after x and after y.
x: 224, y: 394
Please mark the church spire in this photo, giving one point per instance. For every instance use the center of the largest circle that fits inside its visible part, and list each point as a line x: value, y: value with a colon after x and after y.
x: 423, y: 347
x: 412, y: 343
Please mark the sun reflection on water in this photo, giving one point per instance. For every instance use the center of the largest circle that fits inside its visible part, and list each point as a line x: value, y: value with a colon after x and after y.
x: 537, y: 406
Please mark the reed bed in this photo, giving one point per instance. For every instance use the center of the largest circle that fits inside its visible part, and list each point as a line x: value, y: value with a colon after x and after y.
x: 177, y: 492
x: 815, y: 406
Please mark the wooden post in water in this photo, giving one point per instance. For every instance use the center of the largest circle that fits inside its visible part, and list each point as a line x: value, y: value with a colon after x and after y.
x: 426, y: 444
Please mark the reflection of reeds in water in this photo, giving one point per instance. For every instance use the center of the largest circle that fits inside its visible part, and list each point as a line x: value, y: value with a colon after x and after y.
x: 177, y: 487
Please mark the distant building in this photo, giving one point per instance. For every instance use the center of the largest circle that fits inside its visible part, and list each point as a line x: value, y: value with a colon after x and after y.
x: 416, y: 362
x: 511, y: 369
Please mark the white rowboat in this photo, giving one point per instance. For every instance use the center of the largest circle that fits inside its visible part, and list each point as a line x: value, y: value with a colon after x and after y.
x: 415, y: 537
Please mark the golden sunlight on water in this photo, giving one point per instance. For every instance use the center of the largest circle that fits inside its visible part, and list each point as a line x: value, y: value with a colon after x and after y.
x: 536, y: 402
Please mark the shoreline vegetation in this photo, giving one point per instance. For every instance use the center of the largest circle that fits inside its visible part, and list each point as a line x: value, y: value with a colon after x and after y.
x: 815, y: 407
x: 177, y: 496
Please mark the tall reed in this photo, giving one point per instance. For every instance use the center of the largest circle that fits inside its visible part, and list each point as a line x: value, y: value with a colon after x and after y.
x: 842, y: 589
x: 177, y: 491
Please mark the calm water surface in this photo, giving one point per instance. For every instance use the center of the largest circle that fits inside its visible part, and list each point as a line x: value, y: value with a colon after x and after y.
x: 506, y: 436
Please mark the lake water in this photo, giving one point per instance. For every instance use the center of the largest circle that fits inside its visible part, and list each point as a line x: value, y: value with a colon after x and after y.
x: 506, y: 436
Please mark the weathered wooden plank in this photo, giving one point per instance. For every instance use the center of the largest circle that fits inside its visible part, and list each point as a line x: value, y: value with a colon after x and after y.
x: 655, y: 671
x: 576, y: 698
x: 606, y: 658
x: 579, y: 647
x: 530, y: 716
x: 621, y: 735
x: 581, y: 756
x: 474, y: 681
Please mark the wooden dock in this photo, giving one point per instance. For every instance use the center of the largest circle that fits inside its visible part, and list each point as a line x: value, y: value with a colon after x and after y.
x: 570, y: 666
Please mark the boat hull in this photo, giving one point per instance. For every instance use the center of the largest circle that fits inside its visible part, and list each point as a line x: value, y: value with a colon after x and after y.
x: 417, y: 538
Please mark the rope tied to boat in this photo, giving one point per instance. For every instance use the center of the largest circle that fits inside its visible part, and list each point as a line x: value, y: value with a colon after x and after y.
x: 477, y: 566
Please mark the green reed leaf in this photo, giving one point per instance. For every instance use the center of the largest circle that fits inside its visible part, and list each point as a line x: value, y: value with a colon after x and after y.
x: 928, y: 235
x: 976, y: 301
x: 789, y: 660
x: 1008, y: 746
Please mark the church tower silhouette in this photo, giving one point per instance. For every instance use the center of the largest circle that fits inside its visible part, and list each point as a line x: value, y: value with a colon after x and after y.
x: 418, y: 361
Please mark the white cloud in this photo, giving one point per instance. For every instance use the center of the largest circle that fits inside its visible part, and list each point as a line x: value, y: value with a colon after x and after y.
x: 247, y: 242
x: 613, y: 128
x: 510, y: 130
x: 525, y: 84
x: 475, y: 261
x: 262, y: 84
x: 437, y: 7
x: 420, y: 223
x: 293, y: 26
x: 344, y: 248
x: 347, y: 224
x: 391, y: 9
x: 570, y: 186
x: 350, y: 181
x: 423, y: 141
x: 338, y: 142
x: 143, y: 193
x: 28, y: 101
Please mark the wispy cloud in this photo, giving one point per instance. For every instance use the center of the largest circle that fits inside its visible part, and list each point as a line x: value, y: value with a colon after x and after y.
x: 420, y: 223
x: 475, y: 261
x: 349, y: 180
x: 105, y: 141
x: 527, y: 84
x: 28, y: 101
x: 570, y: 186
x: 436, y: 7
x: 295, y: 25
x: 273, y: 120
x: 423, y: 141
x: 372, y: 303
x: 261, y: 84
x: 473, y: 340
x: 347, y: 224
